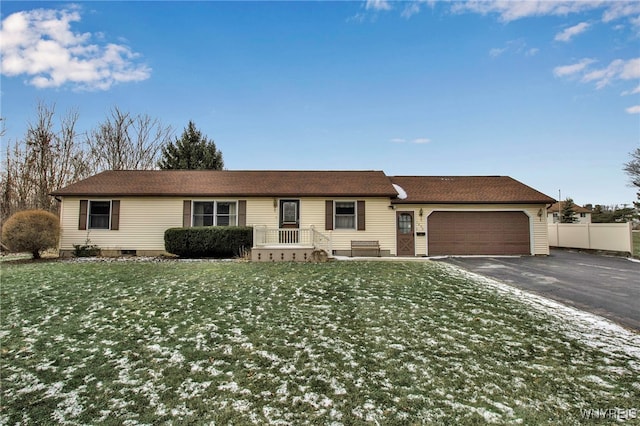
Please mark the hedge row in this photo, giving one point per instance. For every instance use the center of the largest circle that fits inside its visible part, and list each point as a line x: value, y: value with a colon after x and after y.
x: 208, y: 241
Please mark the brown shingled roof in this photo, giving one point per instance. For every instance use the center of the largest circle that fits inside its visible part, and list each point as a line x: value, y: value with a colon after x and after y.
x: 467, y: 190
x: 578, y: 209
x: 225, y: 183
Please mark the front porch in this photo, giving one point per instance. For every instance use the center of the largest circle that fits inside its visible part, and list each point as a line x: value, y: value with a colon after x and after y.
x: 289, y: 244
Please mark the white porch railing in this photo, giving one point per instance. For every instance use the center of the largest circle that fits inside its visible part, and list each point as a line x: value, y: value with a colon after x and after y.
x: 290, y: 237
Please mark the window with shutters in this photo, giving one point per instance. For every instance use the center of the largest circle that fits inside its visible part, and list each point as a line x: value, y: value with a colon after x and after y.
x: 215, y: 213
x: 345, y: 215
x: 226, y: 213
x: 99, y: 214
x: 203, y: 213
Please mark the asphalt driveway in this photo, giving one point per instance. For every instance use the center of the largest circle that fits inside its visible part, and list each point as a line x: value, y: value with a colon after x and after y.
x: 606, y: 286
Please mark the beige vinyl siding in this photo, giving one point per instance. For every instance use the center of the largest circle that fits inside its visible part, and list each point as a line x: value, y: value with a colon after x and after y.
x: 537, y: 224
x: 379, y: 223
x: 540, y: 230
x: 143, y: 221
x: 262, y: 212
x: 380, y: 219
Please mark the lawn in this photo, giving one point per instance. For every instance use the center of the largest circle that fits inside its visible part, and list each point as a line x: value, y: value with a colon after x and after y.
x: 636, y: 244
x: 335, y: 343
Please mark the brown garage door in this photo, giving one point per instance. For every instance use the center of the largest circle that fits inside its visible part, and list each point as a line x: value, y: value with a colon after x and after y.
x: 469, y: 233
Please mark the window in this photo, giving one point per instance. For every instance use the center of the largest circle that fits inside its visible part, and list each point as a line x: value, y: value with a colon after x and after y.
x: 345, y: 213
x: 583, y: 215
x: 99, y: 214
x: 404, y: 223
x: 289, y: 211
x: 225, y: 213
x: 203, y: 213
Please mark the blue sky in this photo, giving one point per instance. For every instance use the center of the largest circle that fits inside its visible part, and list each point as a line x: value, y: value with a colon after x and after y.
x: 546, y: 92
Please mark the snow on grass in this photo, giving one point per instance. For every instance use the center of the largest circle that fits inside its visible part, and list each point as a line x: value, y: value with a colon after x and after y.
x: 591, y: 329
x: 150, y: 342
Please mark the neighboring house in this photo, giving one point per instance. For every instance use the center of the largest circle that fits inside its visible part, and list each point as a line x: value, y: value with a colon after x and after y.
x: 582, y: 215
x: 293, y: 212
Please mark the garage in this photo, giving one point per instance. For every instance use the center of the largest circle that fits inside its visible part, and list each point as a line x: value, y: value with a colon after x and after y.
x: 478, y: 233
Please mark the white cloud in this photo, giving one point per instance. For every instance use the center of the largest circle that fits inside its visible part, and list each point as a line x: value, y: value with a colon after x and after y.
x: 517, y: 46
x: 573, y: 31
x: 497, y: 51
x: 415, y: 140
x: 509, y: 10
x: 41, y: 45
x: 421, y: 140
x: 618, y: 69
x: 634, y: 91
x: 411, y: 9
x: 414, y: 7
x: 512, y: 10
x: 620, y: 9
x: 631, y: 69
x: 567, y: 70
x: 633, y: 109
x: 378, y: 5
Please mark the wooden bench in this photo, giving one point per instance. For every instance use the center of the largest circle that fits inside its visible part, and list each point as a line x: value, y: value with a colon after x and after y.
x: 365, y: 246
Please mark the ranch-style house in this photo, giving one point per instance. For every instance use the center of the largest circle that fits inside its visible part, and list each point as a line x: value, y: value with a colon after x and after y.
x: 295, y: 212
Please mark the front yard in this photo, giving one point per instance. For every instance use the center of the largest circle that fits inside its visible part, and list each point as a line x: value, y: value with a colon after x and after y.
x: 336, y: 343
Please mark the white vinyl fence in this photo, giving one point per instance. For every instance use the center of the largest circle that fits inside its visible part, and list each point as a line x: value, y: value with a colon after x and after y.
x: 596, y: 236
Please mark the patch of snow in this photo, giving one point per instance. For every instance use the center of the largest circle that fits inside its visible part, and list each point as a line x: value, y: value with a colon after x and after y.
x: 402, y: 194
x: 190, y: 389
x: 229, y: 386
x: 591, y: 329
x: 241, y: 405
x: 181, y: 411
x: 599, y: 381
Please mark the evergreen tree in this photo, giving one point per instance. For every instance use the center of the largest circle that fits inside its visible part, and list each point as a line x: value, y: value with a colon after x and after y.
x: 192, y: 151
x: 601, y: 214
x: 568, y: 212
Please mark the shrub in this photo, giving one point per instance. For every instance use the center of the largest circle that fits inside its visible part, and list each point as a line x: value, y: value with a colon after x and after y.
x: 86, y: 250
x: 208, y: 241
x: 31, y: 231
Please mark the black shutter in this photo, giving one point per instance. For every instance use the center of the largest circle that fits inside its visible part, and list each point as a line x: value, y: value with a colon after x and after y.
x: 361, y: 217
x: 328, y: 215
x: 186, y: 214
x: 82, y: 222
x: 242, y: 213
x: 115, y: 215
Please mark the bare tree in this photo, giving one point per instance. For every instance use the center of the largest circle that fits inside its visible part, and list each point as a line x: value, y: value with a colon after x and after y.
x: 50, y: 156
x: 126, y: 142
x: 46, y: 159
x: 41, y: 149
